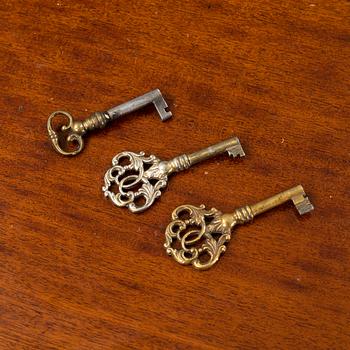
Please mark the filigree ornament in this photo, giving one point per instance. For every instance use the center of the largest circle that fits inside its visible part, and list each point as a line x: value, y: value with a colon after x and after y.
x: 139, y: 180
x: 194, y: 231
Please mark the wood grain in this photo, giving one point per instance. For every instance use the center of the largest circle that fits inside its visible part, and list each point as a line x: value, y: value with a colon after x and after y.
x: 79, y: 273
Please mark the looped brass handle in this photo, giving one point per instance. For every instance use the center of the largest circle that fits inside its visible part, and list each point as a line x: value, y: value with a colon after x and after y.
x: 73, y: 134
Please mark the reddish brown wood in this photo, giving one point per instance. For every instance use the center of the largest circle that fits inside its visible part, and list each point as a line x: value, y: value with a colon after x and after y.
x: 78, y: 273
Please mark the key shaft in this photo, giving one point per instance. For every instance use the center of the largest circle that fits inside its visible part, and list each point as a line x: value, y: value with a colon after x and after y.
x: 232, y: 146
x: 296, y: 194
x: 154, y: 96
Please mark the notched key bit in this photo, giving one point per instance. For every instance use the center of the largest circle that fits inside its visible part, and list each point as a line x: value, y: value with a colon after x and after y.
x: 140, y: 178
x: 74, y: 130
x: 201, y: 234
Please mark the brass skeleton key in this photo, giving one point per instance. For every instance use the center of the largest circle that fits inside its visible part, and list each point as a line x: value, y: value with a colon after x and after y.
x: 201, y: 234
x: 140, y: 178
x: 73, y: 131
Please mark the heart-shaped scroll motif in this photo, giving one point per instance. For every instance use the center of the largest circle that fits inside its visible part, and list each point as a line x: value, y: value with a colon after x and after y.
x: 138, y: 178
x: 67, y: 130
x: 196, y: 236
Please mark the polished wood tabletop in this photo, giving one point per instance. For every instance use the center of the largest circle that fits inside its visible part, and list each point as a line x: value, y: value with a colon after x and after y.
x: 76, y: 272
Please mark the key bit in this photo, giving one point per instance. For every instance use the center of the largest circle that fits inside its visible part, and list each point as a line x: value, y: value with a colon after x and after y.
x: 201, y: 234
x: 140, y: 178
x: 73, y: 131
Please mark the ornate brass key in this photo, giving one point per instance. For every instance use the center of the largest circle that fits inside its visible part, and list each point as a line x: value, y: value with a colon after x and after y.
x: 73, y: 131
x: 140, y: 178
x: 201, y: 234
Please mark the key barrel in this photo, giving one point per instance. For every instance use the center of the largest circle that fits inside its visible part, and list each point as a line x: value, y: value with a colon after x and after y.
x: 231, y: 145
x: 154, y: 96
x: 295, y: 194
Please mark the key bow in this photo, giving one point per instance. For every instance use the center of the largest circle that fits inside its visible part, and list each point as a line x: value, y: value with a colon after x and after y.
x: 72, y: 129
x: 139, y: 179
x: 197, y: 236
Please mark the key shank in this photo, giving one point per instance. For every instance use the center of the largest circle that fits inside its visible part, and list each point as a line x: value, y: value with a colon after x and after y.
x: 154, y: 96
x: 232, y: 146
x: 245, y: 214
x: 296, y: 194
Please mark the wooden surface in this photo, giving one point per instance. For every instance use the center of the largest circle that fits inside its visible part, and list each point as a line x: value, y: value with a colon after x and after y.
x: 79, y: 273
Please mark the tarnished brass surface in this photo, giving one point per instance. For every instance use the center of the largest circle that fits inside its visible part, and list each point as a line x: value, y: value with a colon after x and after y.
x: 69, y: 141
x: 140, y: 178
x: 198, y: 236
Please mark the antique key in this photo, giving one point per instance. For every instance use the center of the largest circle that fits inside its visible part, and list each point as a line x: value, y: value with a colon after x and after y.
x: 74, y: 130
x: 197, y: 236
x: 140, y: 178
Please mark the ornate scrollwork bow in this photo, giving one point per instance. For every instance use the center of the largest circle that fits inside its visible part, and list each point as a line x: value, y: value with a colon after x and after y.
x: 200, y: 236
x: 139, y: 179
x: 72, y: 134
